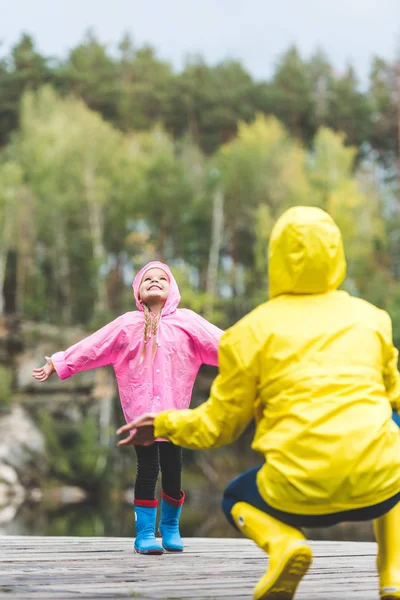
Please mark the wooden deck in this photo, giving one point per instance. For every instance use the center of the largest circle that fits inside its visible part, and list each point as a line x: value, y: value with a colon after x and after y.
x: 71, y: 567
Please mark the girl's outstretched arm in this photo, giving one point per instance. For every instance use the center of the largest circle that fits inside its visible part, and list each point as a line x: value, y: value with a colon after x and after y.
x: 97, y: 350
x: 206, y: 338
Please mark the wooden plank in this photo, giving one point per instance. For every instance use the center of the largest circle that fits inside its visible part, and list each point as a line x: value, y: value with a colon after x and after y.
x: 71, y: 567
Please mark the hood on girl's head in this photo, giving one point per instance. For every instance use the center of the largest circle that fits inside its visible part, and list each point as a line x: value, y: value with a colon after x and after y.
x: 174, y: 296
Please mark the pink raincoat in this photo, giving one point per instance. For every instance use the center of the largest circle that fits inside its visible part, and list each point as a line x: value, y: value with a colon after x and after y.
x: 184, y: 342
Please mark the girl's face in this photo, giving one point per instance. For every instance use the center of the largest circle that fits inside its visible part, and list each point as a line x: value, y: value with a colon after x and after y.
x: 154, y: 286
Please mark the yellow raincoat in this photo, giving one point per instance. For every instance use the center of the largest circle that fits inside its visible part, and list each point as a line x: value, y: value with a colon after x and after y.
x: 318, y: 370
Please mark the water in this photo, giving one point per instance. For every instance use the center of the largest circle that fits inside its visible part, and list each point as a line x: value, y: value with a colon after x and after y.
x: 113, y: 516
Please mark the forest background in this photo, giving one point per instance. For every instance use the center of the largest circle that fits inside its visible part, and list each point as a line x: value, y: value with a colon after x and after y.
x: 108, y: 160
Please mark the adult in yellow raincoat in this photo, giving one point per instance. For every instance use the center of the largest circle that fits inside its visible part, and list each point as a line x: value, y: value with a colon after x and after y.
x: 318, y: 370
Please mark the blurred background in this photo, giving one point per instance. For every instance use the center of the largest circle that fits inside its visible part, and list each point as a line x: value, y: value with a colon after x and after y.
x: 175, y: 130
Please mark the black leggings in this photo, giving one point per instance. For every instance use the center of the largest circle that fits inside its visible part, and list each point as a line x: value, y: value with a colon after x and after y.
x: 150, y: 459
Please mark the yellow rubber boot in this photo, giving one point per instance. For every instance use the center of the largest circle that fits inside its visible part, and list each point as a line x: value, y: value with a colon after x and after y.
x: 289, y: 554
x: 387, y: 535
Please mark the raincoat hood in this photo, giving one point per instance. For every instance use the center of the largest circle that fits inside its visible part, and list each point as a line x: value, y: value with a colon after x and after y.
x: 306, y: 253
x: 174, y: 296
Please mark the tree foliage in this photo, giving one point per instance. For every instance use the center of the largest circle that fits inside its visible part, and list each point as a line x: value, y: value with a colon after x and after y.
x: 113, y: 159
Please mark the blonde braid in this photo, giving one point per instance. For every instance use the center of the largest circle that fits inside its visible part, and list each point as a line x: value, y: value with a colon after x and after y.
x: 150, y: 325
x: 147, y: 321
x: 155, y: 323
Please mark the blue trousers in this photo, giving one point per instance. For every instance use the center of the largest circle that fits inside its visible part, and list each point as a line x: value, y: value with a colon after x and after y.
x: 244, y: 489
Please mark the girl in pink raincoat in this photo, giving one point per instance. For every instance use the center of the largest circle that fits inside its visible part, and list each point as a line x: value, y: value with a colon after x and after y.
x: 156, y: 353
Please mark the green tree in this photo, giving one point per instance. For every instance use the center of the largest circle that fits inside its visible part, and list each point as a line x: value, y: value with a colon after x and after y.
x: 354, y: 207
x: 207, y: 102
x: 349, y: 110
x: 78, y: 168
x: 12, y: 210
x: 143, y: 83
x: 262, y: 166
x: 91, y: 74
x: 320, y: 75
x: 165, y: 193
x: 290, y: 95
x: 384, y: 135
x: 25, y: 69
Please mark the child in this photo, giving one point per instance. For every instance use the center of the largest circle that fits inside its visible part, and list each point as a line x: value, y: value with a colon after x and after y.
x: 319, y: 370
x: 156, y: 354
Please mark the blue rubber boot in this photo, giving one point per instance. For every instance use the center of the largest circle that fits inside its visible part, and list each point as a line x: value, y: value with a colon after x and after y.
x: 169, y: 523
x: 145, y: 517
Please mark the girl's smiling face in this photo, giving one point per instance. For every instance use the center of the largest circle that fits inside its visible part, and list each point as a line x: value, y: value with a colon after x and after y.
x: 154, y: 287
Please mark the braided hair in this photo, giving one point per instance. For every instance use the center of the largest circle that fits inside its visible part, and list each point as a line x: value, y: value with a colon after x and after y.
x: 150, y: 326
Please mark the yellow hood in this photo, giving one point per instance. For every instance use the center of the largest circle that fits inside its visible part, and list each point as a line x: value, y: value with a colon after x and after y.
x: 306, y: 253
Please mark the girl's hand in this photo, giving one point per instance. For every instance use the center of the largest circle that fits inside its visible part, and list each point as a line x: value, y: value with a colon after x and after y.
x: 44, y: 372
x: 141, y: 431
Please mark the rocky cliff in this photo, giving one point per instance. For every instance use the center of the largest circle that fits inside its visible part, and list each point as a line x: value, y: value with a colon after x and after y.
x: 57, y: 432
